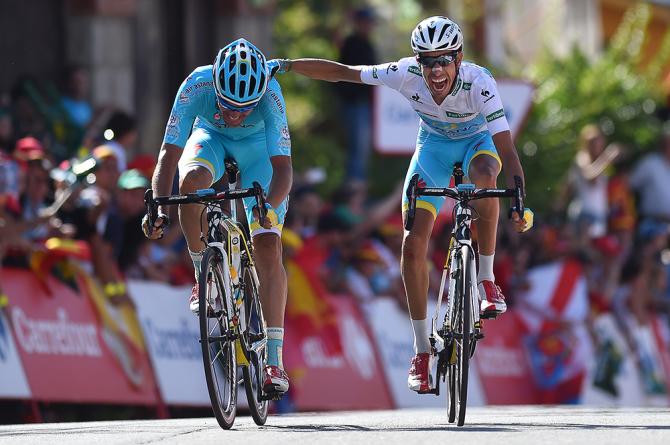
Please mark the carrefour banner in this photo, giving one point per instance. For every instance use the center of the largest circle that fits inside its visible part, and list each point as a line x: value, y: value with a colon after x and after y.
x: 13, y: 382
x: 172, y: 335
x: 74, y: 346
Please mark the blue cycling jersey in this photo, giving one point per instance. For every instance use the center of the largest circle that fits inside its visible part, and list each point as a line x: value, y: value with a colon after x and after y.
x: 195, y: 108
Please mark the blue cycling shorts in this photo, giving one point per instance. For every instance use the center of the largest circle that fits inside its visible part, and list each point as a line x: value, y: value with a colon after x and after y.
x: 209, y: 149
x: 434, y: 161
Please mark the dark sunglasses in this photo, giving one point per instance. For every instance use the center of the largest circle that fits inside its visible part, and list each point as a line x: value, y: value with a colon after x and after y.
x: 443, y: 60
x: 230, y: 107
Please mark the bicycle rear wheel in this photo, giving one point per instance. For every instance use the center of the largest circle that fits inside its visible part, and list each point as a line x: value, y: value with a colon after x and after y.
x: 217, y: 339
x: 254, y: 340
x: 462, y: 325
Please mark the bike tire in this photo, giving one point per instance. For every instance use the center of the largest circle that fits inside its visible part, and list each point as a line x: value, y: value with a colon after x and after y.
x: 218, y: 350
x: 464, y: 327
x: 451, y: 382
x: 254, y: 328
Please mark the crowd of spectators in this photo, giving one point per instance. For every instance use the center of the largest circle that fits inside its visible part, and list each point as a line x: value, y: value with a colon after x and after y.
x: 70, y: 171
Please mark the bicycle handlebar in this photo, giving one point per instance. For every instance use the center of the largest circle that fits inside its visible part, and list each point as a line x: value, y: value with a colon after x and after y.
x: 464, y: 192
x: 205, y: 196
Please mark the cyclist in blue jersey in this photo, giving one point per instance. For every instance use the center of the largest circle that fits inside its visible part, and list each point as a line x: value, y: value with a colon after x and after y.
x: 233, y: 109
x: 462, y: 121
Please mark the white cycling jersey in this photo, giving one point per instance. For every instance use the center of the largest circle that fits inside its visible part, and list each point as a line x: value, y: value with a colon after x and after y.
x: 474, y: 105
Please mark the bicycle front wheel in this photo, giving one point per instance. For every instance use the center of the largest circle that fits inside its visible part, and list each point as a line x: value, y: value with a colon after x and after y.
x: 462, y: 326
x: 254, y: 340
x: 217, y: 338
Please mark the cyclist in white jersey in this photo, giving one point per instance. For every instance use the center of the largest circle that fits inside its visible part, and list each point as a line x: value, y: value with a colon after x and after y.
x: 462, y: 120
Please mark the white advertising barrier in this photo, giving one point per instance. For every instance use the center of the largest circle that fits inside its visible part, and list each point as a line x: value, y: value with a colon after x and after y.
x: 172, y: 335
x: 393, y: 336
x: 395, y: 123
x: 13, y: 382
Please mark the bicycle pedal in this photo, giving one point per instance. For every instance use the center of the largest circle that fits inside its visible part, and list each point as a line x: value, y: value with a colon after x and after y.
x: 488, y: 315
x: 272, y: 396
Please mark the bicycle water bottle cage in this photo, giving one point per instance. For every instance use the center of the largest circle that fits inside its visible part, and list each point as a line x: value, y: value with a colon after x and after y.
x: 205, y: 192
x: 465, y: 187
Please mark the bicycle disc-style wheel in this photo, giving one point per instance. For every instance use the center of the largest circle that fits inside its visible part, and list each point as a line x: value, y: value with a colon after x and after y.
x: 218, y: 346
x: 254, y: 338
x: 462, y: 328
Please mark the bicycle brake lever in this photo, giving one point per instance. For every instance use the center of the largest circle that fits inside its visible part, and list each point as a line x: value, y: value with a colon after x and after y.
x: 260, y: 203
x: 152, y: 208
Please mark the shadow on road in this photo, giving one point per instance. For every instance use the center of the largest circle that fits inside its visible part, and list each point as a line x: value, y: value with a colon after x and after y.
x: 476, y: 427
x: 358, y: 428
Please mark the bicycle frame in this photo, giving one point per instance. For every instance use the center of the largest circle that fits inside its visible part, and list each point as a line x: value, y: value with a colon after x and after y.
x: 461, y: 239
x: 213, y: 238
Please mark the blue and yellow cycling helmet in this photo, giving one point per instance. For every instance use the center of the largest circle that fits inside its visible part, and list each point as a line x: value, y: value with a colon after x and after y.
x: 240, y: 75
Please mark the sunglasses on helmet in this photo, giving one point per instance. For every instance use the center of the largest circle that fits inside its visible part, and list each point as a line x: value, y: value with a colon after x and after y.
x: 443, y: 60
x: 223, y: 104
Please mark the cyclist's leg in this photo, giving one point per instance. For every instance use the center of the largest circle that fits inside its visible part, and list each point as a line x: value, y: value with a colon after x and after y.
x: 200, y: 166
x: 432, y: 163
x: 483, y: 165
x: 255, y: 165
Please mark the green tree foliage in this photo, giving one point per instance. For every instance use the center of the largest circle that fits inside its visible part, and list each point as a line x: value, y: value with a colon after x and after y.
x: 308, y: 28
x: 611, y: 91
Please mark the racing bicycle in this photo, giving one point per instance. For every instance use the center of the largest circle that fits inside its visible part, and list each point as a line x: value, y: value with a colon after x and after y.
x: 455, y: 339
x: 232, y: 327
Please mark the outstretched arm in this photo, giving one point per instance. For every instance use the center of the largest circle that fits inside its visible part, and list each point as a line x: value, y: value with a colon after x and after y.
x: 322, y: 69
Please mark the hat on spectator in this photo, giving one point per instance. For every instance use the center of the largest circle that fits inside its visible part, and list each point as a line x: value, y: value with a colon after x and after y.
x: 103, y: 152
x: 368, y: 252
x: 364, y: 14
x: 133, y: 179
x: 29, y: 149
x: 143, y: 163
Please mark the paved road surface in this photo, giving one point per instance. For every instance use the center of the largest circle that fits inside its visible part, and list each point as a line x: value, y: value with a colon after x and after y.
x: 489, y: 425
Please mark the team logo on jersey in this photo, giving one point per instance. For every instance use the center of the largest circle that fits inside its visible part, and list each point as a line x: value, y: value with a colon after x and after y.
x: 414, y: 70
x: 495, y: 115
x: 217, y: 116
x: 284, y: 132
x: 486, y: 93
x: 416, y: 97
x: 393, y: 67
x: 277, y: 101
x: 374, y: 72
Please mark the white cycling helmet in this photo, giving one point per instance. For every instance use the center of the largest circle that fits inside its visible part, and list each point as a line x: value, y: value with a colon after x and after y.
x: 437, y: 33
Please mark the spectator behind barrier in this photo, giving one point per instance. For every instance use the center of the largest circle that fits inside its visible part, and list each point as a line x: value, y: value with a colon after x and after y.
x: 121, y: 135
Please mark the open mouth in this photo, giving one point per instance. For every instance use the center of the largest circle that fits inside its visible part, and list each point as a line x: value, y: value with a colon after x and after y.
x: 439, y: 85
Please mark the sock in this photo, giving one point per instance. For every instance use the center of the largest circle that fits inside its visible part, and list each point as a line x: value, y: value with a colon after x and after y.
x: 196, y: 257
x: 485, y: 268
x: 274, y: 347
x: 421, y: 343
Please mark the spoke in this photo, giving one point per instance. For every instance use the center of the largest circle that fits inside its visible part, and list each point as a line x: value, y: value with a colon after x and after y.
x: 213, y: 361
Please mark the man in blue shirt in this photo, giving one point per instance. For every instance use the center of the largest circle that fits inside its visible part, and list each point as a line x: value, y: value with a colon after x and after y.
x: 233, y: 109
